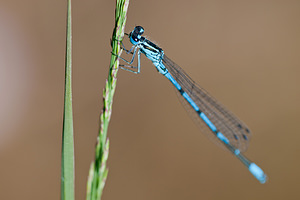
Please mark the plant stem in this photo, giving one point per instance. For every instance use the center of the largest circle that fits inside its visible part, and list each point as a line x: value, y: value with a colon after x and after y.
x: 98, y: 170
x: 67, y: 160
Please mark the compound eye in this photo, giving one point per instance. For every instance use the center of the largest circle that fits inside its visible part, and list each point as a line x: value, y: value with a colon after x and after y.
x: 138, y: 30
x: 136, y: 37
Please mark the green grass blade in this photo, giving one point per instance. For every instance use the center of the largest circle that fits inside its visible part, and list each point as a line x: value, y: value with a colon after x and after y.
x: 98, y: 170
x: 67, y: 160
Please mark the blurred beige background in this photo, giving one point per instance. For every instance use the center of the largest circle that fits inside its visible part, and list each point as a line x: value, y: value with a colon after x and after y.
x: 245, y: 53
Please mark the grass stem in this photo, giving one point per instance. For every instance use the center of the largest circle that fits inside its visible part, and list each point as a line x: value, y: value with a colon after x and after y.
x: 67, y: 159
x: 98, y: 170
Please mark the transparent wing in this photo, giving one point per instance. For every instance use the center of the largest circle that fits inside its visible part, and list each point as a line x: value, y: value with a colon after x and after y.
x: 226, y: 122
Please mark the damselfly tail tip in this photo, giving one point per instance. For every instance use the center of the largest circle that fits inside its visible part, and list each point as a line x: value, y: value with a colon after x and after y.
x: 258, y: 173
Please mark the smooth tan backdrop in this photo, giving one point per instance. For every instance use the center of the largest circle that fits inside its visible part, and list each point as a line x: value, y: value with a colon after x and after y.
x: 245, y: 53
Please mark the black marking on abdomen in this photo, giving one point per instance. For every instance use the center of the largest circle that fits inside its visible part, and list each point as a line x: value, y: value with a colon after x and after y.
x: 181, y: 91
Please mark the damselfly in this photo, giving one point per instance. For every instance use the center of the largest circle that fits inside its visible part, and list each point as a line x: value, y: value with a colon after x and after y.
x: 213, y: 118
